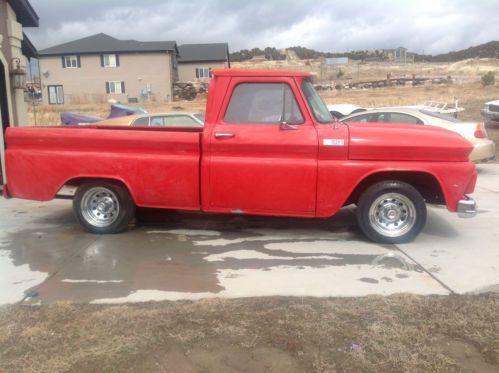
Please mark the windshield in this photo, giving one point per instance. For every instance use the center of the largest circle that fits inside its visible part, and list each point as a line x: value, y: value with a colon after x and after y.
x: 439, y: 116
x: 319, y: 109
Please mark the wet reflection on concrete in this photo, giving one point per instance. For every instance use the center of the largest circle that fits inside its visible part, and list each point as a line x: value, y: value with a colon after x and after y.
x: 201, y: 255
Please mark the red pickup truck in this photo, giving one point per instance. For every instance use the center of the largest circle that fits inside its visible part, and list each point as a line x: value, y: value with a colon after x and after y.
x: 269, y: 147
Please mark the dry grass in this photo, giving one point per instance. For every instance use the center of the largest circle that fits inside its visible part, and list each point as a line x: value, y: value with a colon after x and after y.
x: 372, y: 334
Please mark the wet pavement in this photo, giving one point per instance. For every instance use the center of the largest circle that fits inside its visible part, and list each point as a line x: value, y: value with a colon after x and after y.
x: 45, y: 256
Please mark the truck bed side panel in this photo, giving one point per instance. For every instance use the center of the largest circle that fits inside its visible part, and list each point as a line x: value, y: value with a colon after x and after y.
x: 160, y: 168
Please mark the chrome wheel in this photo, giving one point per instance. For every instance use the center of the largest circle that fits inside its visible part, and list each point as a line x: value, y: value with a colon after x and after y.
x: 392, y: 214
x: 99, y: 207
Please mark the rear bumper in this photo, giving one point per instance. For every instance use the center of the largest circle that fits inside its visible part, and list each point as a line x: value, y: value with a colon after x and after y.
x: 483, y: 150
x: 466, y: 208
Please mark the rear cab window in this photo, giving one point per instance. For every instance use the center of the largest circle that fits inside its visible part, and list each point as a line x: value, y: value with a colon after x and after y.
x: 263, y: 103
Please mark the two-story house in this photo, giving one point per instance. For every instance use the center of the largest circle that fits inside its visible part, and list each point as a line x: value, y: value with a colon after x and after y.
x: 196, y: 60
x: 99, y: 68
x: 15, y: 52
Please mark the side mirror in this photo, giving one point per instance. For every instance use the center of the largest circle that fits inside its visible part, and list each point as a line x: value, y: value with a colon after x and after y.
x: 285, y: 126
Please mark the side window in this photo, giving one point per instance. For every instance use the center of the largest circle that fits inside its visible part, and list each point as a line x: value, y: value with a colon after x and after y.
x: 157, y: 121
x: 173, y: 121
x: 179, y: 120
x: 398, y: 118
x: 263, y: 103
x: 362, y: 118
x: 142, y: 121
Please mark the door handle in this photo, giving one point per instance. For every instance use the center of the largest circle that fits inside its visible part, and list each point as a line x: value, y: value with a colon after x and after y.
x: 220, y: 135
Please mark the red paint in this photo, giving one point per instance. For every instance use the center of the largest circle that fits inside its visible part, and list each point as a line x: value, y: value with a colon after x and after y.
x: 262, y: 169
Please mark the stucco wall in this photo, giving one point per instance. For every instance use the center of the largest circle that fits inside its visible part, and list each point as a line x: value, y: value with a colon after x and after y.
x: 187, y: 70
x: 88, y: 83
x: 11, y: 35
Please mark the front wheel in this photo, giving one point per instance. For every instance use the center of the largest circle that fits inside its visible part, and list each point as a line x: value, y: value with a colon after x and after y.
x: 391, y: 212
x: 103, y: 207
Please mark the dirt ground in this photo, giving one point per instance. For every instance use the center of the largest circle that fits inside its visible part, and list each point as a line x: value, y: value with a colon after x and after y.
x: 372, y: 334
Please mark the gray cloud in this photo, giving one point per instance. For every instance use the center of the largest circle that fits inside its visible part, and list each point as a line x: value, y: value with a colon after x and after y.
x: 432, y: 26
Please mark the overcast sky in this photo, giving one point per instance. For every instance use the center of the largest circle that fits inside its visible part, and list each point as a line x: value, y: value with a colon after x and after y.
x: 430, y: 26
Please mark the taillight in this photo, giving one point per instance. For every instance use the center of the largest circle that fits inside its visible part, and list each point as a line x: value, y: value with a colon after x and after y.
x: 480, y: 131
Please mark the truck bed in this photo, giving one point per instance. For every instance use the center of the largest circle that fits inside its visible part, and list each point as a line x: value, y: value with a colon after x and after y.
x: 159, y: 166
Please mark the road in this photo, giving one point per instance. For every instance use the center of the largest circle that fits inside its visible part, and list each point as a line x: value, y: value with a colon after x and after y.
x: 45, y: 256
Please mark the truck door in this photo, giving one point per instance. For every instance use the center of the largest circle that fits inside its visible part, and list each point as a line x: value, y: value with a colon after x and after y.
x: 262, y: 152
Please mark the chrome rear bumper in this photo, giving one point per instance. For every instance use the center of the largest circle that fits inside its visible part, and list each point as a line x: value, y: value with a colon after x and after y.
x: 466, y: 208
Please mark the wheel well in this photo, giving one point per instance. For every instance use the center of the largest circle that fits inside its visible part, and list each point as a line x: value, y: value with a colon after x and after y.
x: 425, y: 183
x: 77, y: 181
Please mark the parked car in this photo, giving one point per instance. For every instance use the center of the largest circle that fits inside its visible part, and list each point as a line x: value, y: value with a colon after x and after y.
x: 157, y: 119
x: 483, y: 147
x: 117, y: 110
x: 491, y: 110
x: 269, y: 146
x: 342, y: 110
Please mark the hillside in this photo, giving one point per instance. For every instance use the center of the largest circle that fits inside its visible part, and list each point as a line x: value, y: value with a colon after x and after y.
x: 487, y: 50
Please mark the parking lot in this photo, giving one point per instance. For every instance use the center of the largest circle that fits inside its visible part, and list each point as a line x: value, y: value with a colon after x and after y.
x: 45, y: 256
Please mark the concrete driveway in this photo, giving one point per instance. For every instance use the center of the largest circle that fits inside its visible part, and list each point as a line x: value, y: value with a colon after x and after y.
x: 45, y: 256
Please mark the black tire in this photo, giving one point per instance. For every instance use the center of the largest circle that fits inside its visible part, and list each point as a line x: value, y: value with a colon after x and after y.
x: 87, y: 209
x: 391, y: 205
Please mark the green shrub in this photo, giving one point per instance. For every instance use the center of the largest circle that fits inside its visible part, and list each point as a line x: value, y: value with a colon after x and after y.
x: 488, y: 79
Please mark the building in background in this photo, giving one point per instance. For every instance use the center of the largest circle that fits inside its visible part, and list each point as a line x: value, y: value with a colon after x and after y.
x: 398, y: 55
x: 336, y: 61
x: 15, y: 52
x: 196, y: 60
x: 99, y: 68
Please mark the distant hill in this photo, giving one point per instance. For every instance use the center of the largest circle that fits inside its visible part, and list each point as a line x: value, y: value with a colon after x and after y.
x: 487, y: 50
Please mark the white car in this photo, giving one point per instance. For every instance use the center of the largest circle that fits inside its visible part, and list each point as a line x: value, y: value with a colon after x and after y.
x: 342, y: 110
x: 484, y: 148
x: 491, y: 110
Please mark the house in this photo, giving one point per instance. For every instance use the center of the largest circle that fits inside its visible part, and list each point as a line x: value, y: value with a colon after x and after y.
x: 100, y: 67
x: 15, y: 52
x: 196, y: 60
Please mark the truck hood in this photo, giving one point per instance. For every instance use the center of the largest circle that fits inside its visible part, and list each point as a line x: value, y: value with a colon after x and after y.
x: 406, y: 142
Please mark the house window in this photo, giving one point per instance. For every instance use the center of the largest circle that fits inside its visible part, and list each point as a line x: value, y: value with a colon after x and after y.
x: 110, y: 60
x: 115, y: 87
x: 56, y: 94
x: 71, y: 62
x: 203, y: 72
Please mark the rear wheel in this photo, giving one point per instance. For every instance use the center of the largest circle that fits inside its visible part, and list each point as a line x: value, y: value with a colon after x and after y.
x: 103, y: 207
x: 391, y: 212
